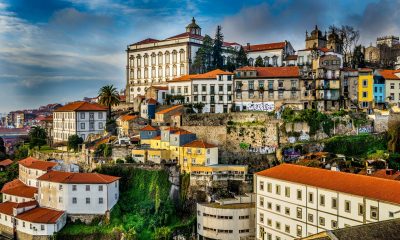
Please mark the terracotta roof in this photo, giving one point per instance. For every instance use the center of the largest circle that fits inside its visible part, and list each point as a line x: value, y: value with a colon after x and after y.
x: 266, y: 46
x: 146, y: 41
x: 365, y: 70
x: 186, y: 35
x: 183, y: 78
x: 48, y: 118
x: 6, y: 162
x: 7, y: 208
x: 181, y: 132
x: 227, y: 44
x: 79, y: 178
x: 34, y: 163
x: 40, y: 215
x: 199, y: 144
x: 81, y: 106
x: 151, y: 101
x: 157, y: 138
x: 360, y: 185
x: 122, y: 98
x: 389, y: 74
x: 167, y: 110
x: 273, y: 71
x: 149, y: 128
x: 381, y: 173
x: 18, y: 188
x: 160, y: 87
x: 291, y: 57
x: 211, y: 74
x: 128, y: 117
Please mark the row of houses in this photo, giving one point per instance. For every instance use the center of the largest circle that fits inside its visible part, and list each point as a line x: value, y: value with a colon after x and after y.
x: 36, y: 204
x: 296, y: 202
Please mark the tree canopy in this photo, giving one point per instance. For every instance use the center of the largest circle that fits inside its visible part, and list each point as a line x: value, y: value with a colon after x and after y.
x: 37, y: 137
x: 109, y: 96
x: 74, y: 141
x: 218, y: 60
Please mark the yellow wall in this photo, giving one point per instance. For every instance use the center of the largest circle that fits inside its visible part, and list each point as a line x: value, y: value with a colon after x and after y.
x: 155, y: 143
x: 365, y: 78
x: 199, y: 157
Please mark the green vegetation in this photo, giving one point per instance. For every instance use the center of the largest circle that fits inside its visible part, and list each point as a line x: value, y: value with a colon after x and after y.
x: 358, y: 145
x: 144, y: 210
x: 10, y: 174
x: 74, y: 141
x: 108, y: 96
x: 315, y: 119
x: 48, y: 149
x: 37, y: 137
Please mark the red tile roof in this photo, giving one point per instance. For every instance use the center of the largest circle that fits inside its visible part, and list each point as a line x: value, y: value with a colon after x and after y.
x: 78, y: 178
x: 186, y: 35
x: 19, y: 189
x: 389, y: 74
x: 183, y: 78
x: 266, y: 46
x: 34, y: 163
x: 7, y: 208
x: 146, y: 41
x: 40, y: 215
x: 81, y: 106
x: 161, y: 87
x: 181, y: 132
x: 157, y: 138
x: 151, y: 101
x: 149, y: 128
x: 273, y: 72
x: 360, y: 185
x: 167, y: 110
x: 128, y: 117
x: 381, y: 173
x: 211, y: 74
x: 6, y: 162
x: 199, y: 144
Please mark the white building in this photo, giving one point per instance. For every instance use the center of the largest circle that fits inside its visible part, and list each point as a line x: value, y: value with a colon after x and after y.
x: 272, y: 54
x: 31, y: 168
x: 227, y: 219
x: 181, y: 86
x: 81, y: 118
x: 78, y: 193
x: 295, y: 201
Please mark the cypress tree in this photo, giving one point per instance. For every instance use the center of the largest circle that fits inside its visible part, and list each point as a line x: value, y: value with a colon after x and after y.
x: 218, y: 61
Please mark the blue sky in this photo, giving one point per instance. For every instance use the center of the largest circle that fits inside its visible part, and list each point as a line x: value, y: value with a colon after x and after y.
x: 63, y: 50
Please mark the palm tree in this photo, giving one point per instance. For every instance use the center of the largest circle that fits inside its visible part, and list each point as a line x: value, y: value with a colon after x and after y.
x: 109, y: 96
x: 37, y: 137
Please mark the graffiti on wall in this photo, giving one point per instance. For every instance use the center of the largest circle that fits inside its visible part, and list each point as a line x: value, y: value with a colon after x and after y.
x: 263, y: 149
x: 261, y: 106
x: 365, y: 129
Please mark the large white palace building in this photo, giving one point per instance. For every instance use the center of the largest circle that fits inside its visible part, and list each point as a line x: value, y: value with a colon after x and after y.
x: 295, y: 201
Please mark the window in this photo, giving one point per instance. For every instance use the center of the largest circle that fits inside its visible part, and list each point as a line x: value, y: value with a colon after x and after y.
x: 203, y: 88
x: 60, y: 187
x: 347, y: 206
x: 374, y: 212
x: 269, y: 222
x: 287, y: 192
x: 101, y: 200
x: 269, y: 205
x: 42, y: 227
x: 262, y: 186
x: 299, y: 230
x: 87, y: 200
x: 322, y: 221
x: 60, y: 200
x: 322, y: 200
x: 82, y: 125
x: 310, y: 217
x: 278, y: 189
x: 334, y: 224
x: 74, y: 200
x: 73, y: 187
x: 82, y: 115
x: 360, y: 209
x: 261, y: 217
x: 278, y: 225
x: 365, y: 83
x: 334, y: 203
x: 392, y: 86
x: 251, y: 85
x: 391, y: 214
x: 287, y: 211
x: 229, y: 86
x: 287, y: 228
x: 299, y: 212
x: 270, y: 84
x: 298, y: 194
x: 269, y: 187
x: 87, y: 188
x: 311, y: 197
x: 262, y: 201
x: 100, y: 115
x: 278, y: 208
x: 365, y: 94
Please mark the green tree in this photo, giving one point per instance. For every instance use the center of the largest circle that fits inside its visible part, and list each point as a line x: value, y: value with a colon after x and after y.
x: 109, y: 96
x: 107, y: 151
x: 129, y: 159
x: 218, y: 61
x: 2, y: 145
x: 259, y: 62
x: 358, y: 57
x: 37, y: 137
x: 394, y: 139
x: 21, y: 152
x: 74, y: 141
x: 199, y: 107
x: 241, y: 58
x: 162, y: 233
x: 202, y: 61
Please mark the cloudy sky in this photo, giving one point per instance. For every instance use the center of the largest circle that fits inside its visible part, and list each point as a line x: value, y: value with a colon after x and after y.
x: 63, y: 50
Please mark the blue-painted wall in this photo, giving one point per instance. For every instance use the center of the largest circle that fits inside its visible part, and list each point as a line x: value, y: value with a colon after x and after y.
x: 379, y: 89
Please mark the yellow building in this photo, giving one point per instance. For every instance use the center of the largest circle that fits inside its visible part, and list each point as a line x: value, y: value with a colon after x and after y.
x: 219, y: 172
x: 365, y: 88
x: 125, y: 125
x: 197, y: 153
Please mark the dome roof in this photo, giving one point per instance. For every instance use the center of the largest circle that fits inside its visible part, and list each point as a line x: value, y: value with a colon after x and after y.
x: 316, y: 32
x: 193, y: 24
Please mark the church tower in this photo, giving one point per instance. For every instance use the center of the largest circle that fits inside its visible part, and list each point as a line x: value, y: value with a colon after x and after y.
x: 315, y: 39
x: 335, y: 42
x: 193, y: 28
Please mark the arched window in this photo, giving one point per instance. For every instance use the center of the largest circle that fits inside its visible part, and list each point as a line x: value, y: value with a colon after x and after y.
x: 146, y: 73
x: 167, y: 71
x: 153, y: 59
x: 139, y: 74
x: 174, y: 56
x: 275, y: 61
x: 139, y: 62
x: 182, y: 69
x: 251, y: 61
x: 160, y: 58
x: 153, y: 72
x: 146, y: 59
x: 160, y: 72
x: 266, y: 61
x: 131, y: 61
x: 182, y: 56
x: 167, y: 57
x: 174, y: 71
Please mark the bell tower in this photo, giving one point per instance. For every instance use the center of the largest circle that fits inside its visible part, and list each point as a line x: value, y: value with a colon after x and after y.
x: 193, y: 28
